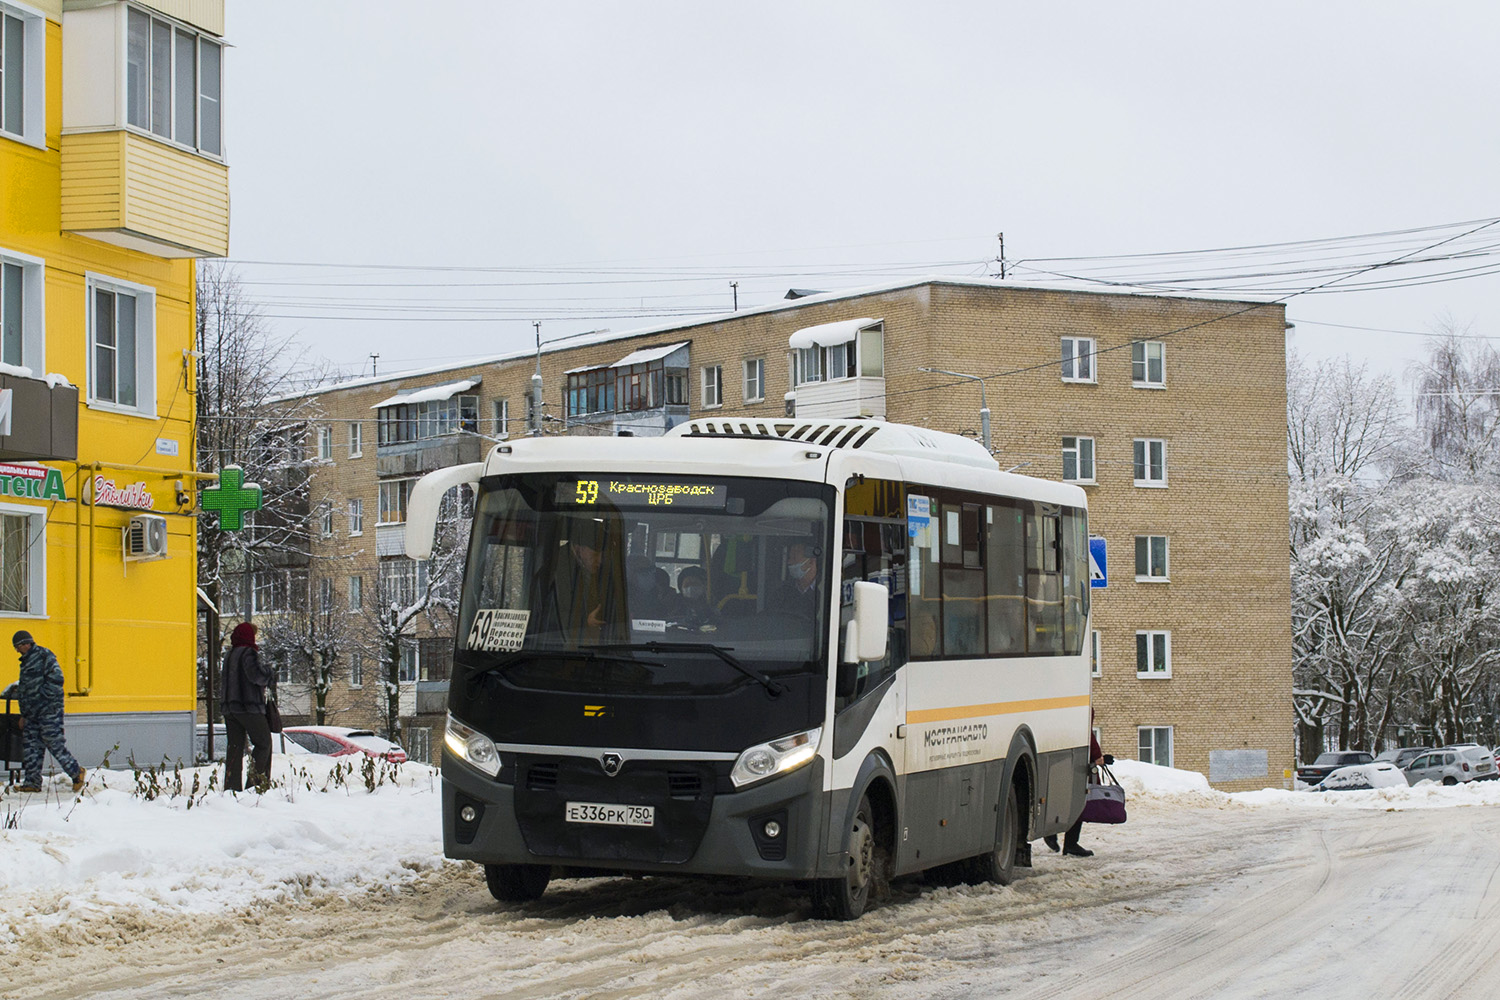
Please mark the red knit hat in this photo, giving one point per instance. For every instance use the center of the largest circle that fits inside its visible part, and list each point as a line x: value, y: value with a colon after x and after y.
x: 243, y: 635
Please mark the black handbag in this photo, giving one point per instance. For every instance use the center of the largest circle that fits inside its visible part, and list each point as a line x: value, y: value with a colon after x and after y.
x: 273, y: 714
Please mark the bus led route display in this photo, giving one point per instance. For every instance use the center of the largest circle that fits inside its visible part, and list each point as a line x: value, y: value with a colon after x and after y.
x: 641, y: 493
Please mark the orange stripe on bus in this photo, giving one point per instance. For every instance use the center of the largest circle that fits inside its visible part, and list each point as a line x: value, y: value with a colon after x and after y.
x: 997, y: 708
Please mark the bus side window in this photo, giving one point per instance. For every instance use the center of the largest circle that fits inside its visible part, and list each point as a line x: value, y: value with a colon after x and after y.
x: 1075, y: 580
x: 1044, y: 581
x: 1005, y: 579
x: 874, y: 550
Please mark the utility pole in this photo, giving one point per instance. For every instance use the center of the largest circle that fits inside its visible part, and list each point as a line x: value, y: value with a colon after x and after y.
x: 374, y: 359
x: 1002, y: 256
x: 736, y: 286
x: 536, y: 386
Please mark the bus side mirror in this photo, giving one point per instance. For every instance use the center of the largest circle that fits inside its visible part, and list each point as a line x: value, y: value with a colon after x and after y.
x: 865, y: 635
x: 425, y: 499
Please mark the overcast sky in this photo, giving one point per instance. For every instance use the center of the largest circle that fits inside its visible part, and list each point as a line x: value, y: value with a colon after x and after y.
x: 624, y: 162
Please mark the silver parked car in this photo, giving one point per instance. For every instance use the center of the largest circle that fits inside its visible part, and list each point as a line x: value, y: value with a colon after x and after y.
x: 1452, y: 765
x: 1401, y: 756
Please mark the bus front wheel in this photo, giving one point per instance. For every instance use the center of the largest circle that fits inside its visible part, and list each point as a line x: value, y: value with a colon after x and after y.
x: 517, y: 883
x: 845, y: 897
x: 999, y: 865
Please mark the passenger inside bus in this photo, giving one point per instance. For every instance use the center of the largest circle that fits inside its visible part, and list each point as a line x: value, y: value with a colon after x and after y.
x: 692, y: 596
x: 799, y: 593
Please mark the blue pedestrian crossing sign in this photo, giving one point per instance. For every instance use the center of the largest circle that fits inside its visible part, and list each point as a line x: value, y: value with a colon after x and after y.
x: 1098, y: 563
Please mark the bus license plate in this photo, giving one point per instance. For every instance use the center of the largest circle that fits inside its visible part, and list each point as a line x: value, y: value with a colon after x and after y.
x: 610, y: 814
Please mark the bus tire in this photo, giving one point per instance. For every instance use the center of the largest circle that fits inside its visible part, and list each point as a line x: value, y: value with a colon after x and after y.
x: 517, y: 883
x: 845, y: 897
x: 999, y: 865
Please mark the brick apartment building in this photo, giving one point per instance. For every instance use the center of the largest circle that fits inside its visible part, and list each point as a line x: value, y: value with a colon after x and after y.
x: 1170, y: 411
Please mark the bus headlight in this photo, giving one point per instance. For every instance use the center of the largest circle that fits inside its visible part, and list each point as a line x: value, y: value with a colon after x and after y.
x: 776, y: 757
x: 471, y: 746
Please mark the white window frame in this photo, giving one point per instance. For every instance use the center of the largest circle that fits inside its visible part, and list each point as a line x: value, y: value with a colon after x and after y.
x: 1077, y: 452
x: 36, y: 559
x: 1096, y: 654
x: 1154, y: 637
x: 712, y: 387
x: 356, y: 439
x: 356, y: 593
x: 1141, y: 459
x: 419, y: 744
x: 145, y: 344
x: 325, y: 444
x: 1140, y: 367
x: 325, y: 519
x: 356, y: 670
x: 415, y: 661
x: 356, y: 516
x: 1156, y: 733
x: 325, y: 595
x: 1165, y: 576
x: 33, y: 309
x: 200, y: 99
x: 501, y: 408
x: 381, y: 510
x: 1078, y: 354
x: 33, y: 130
x: 755, y: 380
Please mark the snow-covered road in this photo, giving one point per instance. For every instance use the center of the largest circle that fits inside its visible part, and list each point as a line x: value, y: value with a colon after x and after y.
x: 1263, y: 895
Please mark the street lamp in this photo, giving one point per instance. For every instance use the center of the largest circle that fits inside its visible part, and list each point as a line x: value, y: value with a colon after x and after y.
x: 984, y: 407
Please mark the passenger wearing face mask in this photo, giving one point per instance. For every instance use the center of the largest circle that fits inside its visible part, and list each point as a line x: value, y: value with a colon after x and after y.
x: 799, y: 593
x: 692, y: 588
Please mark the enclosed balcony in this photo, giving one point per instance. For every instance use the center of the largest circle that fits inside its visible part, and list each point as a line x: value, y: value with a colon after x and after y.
x: 143, y: 127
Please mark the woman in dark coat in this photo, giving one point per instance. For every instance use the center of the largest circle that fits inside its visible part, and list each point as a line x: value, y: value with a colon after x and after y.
x: 244, y: 701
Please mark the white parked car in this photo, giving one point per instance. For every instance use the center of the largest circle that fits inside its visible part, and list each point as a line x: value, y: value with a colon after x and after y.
x: 1453, y: 765
x: 1381, y: 774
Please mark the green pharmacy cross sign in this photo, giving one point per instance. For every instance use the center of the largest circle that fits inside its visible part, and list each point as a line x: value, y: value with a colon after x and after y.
x: 232, y: 498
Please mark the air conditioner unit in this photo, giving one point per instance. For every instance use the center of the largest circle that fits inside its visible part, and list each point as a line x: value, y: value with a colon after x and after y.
x: 146, y: 538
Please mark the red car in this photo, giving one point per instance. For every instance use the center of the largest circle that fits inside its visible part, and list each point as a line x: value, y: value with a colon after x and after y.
x: 339, y: 741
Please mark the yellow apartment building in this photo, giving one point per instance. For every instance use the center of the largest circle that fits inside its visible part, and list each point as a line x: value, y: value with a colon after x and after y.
x: 113, y: 181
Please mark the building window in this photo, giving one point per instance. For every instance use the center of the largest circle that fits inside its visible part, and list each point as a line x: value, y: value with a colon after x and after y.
x: 356, y: 593
x: 1095, y: 644
x: 325, y: 444
x: 406, y: 671
x: 356, y: 668
x: 713, y: 386
x: 1151, y: 558
x: 325, y: 595
x: 676, y: 389
x: 393, y: 496
x: 1147, y: 363
x: 22, y: 341
x: 1155, y: 744
x: 356, y: 516
x: 356, y: 439
x: 23, y: 589
x: 283, y: 663
x: 122, y: 337
x: 502, y: 417
x: 325, y: 519
x: 1078, y: 359
x: 1078, y: 459
x: 23, y: 85
x: 1153, y: 654
x: 402, y: 422
x: 173, y: 83
x: 276, y: 590
x: 1150, y: 462
x: 402, y: 581
x: 755, y: 380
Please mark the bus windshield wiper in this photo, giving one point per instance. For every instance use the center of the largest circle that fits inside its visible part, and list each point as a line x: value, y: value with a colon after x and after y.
x: 772, y: 686
x: 587, y: 654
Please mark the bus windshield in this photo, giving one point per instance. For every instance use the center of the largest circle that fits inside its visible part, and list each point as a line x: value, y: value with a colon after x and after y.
x: 646, y: 584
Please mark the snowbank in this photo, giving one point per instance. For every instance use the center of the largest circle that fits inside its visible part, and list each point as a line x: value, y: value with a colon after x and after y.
x: 320, y: 829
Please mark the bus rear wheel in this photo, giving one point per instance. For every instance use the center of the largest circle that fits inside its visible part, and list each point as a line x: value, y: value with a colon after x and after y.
x: 517, y: 883
x: 999, y: 865
x: 845, y: 897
